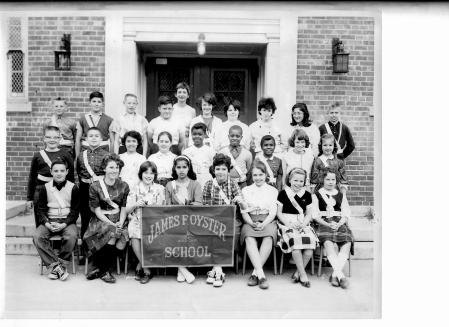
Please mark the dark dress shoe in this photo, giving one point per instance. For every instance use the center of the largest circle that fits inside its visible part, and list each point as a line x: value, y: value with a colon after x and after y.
x: 253, y: 280
x: 344, y: 283
x: 334, y: 281
x: 263, y: 283
x: 108, y: 278
x: 94, y: 274
x: 139, y: 274
x: 145, y: 278
x: 305, y: 284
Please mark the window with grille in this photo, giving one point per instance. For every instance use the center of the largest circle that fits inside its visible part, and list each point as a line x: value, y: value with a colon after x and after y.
x: 16, y: 58
x: 229, y: 84
x: 167, y: 81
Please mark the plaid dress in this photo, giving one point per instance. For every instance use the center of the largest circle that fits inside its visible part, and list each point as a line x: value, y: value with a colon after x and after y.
x: 290, y: 238
x: 325, y: 233
x: 99, y: 233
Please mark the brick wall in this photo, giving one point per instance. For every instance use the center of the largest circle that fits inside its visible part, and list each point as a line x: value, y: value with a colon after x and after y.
x: 24, y: 131
x: 318, y: 87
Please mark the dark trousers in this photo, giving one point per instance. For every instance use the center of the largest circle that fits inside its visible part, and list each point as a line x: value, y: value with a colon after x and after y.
x: 41, y: 240
x: 85, y: 212
x: 105, y: 258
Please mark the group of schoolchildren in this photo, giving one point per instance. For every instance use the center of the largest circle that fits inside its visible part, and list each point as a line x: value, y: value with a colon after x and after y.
x: 289, y: 187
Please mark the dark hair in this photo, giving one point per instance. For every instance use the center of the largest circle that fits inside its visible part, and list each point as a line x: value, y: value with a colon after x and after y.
x: 59, y: 161
x: 235, y: 103
x: 183, y: 85
x: 163, y: 99
x: 327, y: 137
x: 306, y: 119
x: 135, y: 135
x: 145, y: 166
x: 190, y: 173
x: 111, y: 157
x: 267, y: 103
x: 237, y: 127
x: 96, y: 94
x: 260, y: 165
x: 199, y: 126
x: 219, y: 160
x: 300, y: 135
x: 298, y: 171
x: 335, y: 105
x: 95, y: 129
x: 328, y: 170
x: 209, y: 98
x: 266, y: 138
x: 52, y: 128
x: 165, y: 133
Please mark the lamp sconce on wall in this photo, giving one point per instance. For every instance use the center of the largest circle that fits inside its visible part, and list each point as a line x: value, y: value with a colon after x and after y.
x: 201, y: 47
x: 62, y: 56
x: 340, y: 58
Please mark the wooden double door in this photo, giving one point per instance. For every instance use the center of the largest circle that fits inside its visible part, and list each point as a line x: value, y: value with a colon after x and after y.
x: 226, y: 78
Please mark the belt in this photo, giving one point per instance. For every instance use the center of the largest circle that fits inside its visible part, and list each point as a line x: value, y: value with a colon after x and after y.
x: 44, y: 178
x: 58, y: 212
x: 254, y: 211
x: 84, y: 143
x: 110, y: 212
x: 330, y: 214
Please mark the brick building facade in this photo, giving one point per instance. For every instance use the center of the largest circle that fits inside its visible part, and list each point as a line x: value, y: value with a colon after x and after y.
x: 109, y: 50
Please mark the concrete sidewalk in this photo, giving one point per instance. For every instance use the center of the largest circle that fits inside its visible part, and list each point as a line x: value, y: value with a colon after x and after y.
x: 30, y: 295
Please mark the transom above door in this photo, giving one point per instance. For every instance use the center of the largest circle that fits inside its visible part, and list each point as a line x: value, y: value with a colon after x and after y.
x: 226, y: 78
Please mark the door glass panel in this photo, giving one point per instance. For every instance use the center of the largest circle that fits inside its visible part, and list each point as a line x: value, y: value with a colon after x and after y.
x: 168, y: 79
x: 228, y: 84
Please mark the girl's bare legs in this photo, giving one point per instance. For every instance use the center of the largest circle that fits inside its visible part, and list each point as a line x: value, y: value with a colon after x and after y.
x: 298, y: 259
x: 342, y: 257
x: 254, y: 255
x: 135, y: 244
x: 333, y: 259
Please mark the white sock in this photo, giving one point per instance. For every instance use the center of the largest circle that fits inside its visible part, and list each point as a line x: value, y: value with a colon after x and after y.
x: 254, y: 272
x: 260, y: 274
x: 217, y: 269
x: 333, y: 259
x: 341, y: 258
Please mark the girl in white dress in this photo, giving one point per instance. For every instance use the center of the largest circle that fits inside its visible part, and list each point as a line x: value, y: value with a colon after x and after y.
x: 131, y: 158
x: 144, y: 194
x: 163, y: 158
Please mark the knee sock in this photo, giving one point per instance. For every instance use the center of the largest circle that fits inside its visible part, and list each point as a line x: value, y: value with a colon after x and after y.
x: 341, y: 258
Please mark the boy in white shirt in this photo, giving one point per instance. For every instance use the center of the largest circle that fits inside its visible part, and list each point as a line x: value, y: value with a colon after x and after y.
x: 166, y: 123
x: 130, y: 121
x: 182, y: 112
x: 200, y: 154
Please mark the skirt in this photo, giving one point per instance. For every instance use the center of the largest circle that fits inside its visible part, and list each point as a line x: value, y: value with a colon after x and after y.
x: 248, y: 231
x: 99, y: 233
x: 290, y: 239
x: 341, y: 235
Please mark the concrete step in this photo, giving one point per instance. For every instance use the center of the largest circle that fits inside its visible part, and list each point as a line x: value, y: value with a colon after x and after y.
x: 363, y: 250
x: 15, y: 208
x: 20, y: 245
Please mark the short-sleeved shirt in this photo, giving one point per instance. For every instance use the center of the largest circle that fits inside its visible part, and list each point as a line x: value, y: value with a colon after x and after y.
x: 263, y: 196
x: 183, y: 115
x: 66, y: 125
x: 130, y: 122
x: 130, y: 170
x: 211, y: 193
x: 259, y: 129
x: 202, y: 159
x: 159, y: 125
x: 287, y: 207
x: 164, y: 163
x: 222, y: 135
x: 244, y: 157
x: 118, y: 193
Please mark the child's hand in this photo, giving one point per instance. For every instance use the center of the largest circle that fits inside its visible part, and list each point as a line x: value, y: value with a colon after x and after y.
x: 140, y: 203
x: 334, y: 225
x: 29, y: 205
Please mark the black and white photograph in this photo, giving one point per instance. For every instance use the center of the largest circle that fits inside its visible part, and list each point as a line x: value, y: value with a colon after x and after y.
x: 193, y: 160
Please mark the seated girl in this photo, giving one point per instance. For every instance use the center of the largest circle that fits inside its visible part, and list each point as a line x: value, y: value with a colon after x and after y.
x: 107, y: 231
x: 332, y: 213
x: 183, y: 190
x: 295, y: 212
x: 221, y: 190
x: 259, y: 212
x: 144, y: 194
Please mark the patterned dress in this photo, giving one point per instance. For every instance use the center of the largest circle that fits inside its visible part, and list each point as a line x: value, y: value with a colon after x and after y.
x: 154, y: 195
x: 332, y: 206
x: 99, y: 233
x: 291, y: 238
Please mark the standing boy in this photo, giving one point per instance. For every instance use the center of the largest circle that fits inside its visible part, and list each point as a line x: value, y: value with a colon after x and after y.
x: 341, y: 132
x: 200, y: 154
x: 241, y: 158
x: 58, y: 210
x: 89, y: 170
x: 94, y: 118
x: 66, y: 125
x: 182, y: 112
x: 130, y: 121
x: 41, y: 164
x: 166, y: 123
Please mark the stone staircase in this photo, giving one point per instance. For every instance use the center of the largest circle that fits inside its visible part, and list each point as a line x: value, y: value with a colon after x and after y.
x: 20, y: 227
